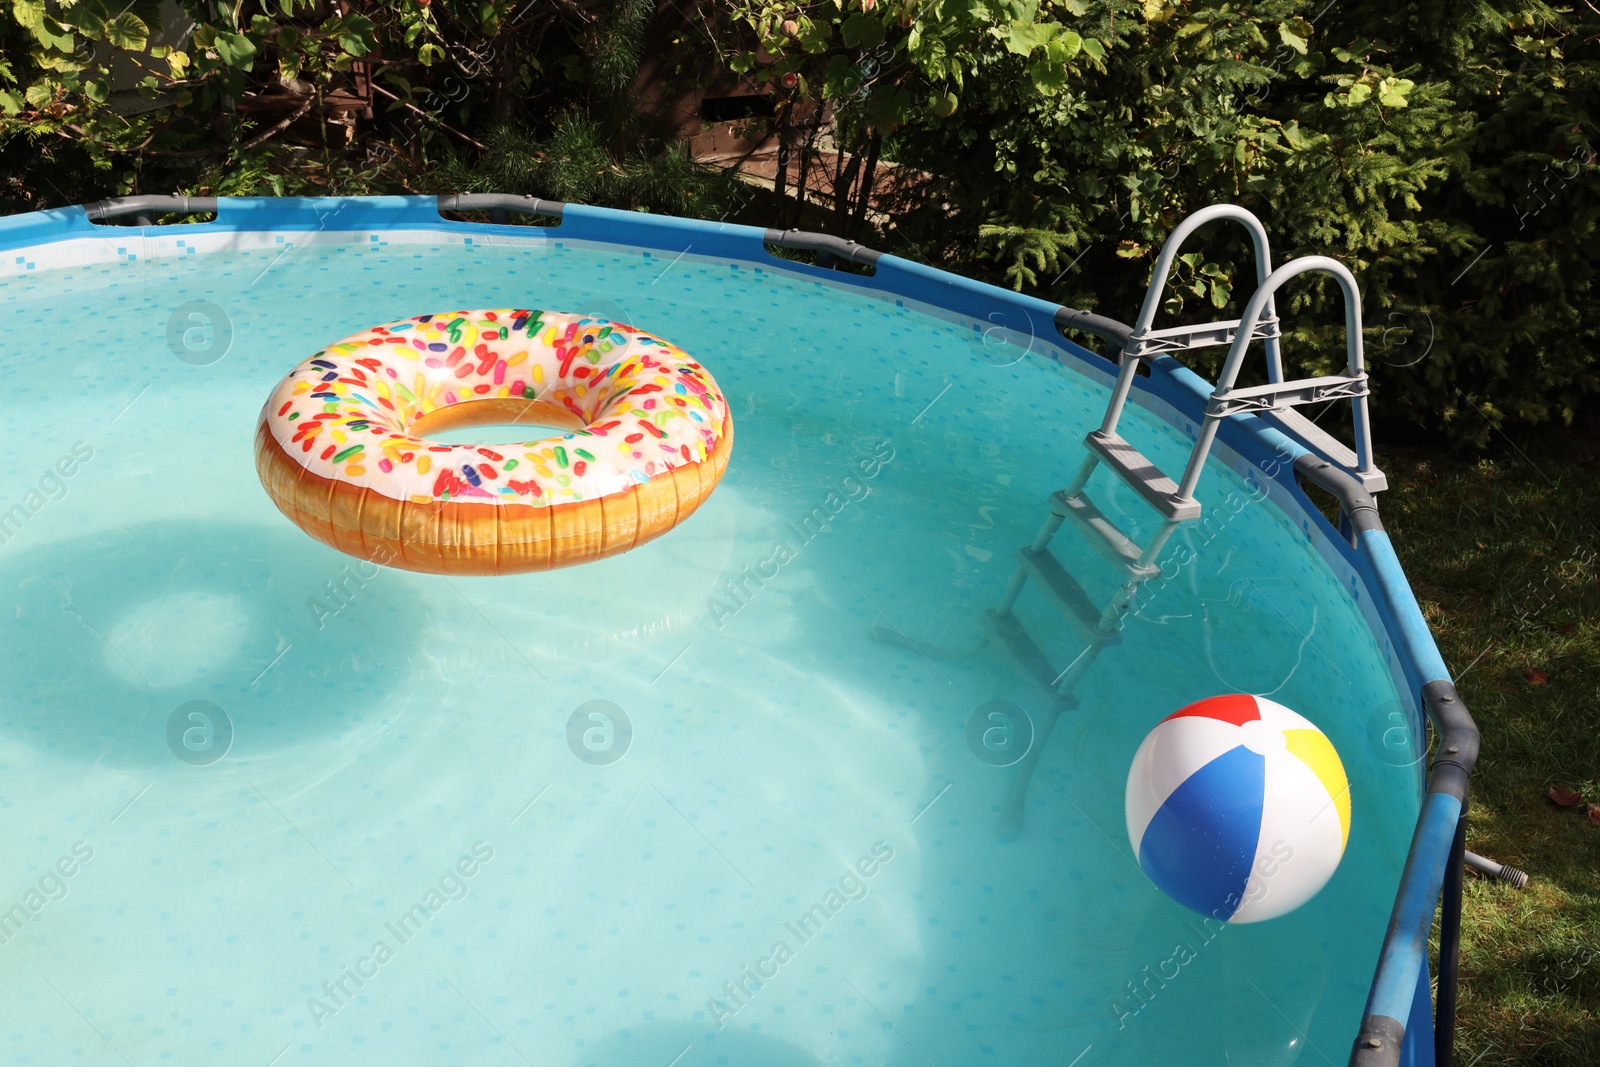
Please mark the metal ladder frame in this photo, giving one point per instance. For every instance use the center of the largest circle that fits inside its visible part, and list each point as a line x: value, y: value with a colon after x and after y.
x: 1258, y: 321
x: 1137, y: 563
x: 1227, y: 400
x: 1147, y: 341
x: 1097, y: 627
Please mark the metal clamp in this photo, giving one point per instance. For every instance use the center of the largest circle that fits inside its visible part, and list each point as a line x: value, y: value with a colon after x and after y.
x: 1206, y: 335
x: 1270, y: 396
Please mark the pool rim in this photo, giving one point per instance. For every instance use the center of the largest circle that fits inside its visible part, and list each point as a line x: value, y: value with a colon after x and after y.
x: 1396, y: 1022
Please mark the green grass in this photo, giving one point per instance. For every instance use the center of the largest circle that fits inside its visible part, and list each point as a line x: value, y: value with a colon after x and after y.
x: 1504, y: 556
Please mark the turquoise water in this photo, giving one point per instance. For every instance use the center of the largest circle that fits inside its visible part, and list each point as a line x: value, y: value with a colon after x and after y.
x: 320, y: 812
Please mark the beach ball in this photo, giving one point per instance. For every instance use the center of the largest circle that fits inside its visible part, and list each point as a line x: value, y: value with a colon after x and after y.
x: 1238, y: 808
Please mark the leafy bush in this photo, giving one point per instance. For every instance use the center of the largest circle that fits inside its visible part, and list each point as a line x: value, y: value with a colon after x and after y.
x: 576, y: 163
x: 1444, y: 152
x: 233, y: 100
x: 1420, y: 146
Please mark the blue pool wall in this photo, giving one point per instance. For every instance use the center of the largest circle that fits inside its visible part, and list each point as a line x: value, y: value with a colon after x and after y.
x: 1173, y: 393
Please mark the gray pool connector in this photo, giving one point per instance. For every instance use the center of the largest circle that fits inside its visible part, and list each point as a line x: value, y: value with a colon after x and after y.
x: 501, y: 205
x: 1515, y: 877
x: 1358, y: 506
x: 824, y: 244
x: 1116, y: 335
x: 145, y: 207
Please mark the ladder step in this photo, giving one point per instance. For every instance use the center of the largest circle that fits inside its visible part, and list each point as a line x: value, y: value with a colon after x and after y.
x: 1111, y: 542
x: 1144, y: 477
x: 1324, y: 444
x: 1069, y: 596
x: 1028, y: 654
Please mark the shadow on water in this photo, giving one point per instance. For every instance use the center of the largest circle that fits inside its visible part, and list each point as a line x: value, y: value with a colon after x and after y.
x: 106, y: 636
x: 693, y: 1045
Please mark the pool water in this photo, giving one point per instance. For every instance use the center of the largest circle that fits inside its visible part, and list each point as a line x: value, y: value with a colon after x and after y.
x: 267, y: 804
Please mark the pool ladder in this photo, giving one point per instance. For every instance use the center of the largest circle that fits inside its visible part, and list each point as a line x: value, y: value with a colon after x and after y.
x: 1100, y: 627
x: 1097, y: 627
x: 1273, y: 401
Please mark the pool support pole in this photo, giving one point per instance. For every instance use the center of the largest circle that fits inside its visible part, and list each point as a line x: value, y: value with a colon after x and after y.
x: 1426, y: 883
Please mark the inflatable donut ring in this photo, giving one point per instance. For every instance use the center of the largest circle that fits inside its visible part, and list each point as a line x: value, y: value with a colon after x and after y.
x: 342, y: 451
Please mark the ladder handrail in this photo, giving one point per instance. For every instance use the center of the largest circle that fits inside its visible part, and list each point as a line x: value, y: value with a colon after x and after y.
x: 1354, y: 352
x: 1169, y: 253
x: 1133, y: 352
x: 1260, y: 300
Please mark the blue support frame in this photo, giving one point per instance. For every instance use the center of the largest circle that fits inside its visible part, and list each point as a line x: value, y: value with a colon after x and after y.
x: 1397, y: 1027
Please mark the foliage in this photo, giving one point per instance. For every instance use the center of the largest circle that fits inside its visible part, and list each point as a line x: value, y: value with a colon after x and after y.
x: 245, y: 98
x: 1444, y: 152
x: 880, y: 66
x: 177, y: 102
x: 1403, y: 145
x: 574, y: 163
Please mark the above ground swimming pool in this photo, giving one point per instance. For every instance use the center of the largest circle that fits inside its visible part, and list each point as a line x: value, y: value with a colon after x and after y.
x: 728, y: 798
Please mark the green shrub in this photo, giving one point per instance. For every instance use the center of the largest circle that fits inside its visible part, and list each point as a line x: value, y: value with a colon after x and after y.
x: 1444, y: 152
x: 577, y: 163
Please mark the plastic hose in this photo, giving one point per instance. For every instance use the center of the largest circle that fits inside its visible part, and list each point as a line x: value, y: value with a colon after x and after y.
x: 1514, y: 877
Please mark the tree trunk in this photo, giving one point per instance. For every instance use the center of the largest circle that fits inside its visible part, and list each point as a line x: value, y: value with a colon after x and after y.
x: 864, y: 190
x: 806, y: 149
x: 505, y: 69
x: 844, y: 179
x: 780, y: 178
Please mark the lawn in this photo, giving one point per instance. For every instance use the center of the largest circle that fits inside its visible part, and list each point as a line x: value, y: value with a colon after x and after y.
x: 1504, y: 556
